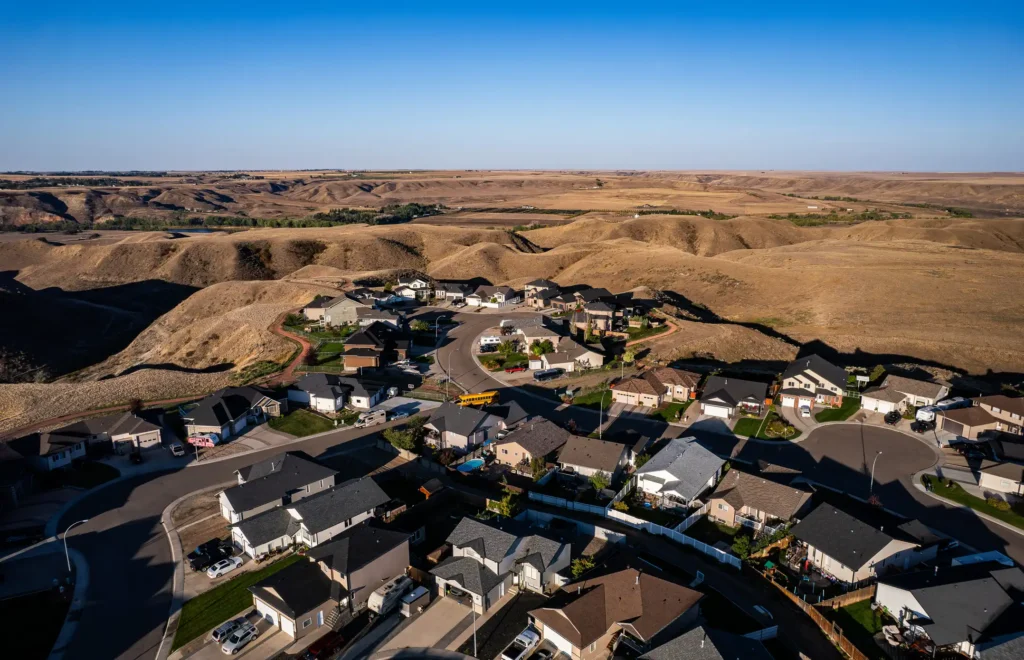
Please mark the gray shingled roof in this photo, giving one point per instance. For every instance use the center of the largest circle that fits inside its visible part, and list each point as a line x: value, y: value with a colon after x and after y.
x: 322, y: 385
x: 460, y: 420
x: 357, y: 547
x: 820, y: 366
x: 226, y: 405
x: 268, y: 526
x: 592, y: 453
x: 470, y: 574
x: 44, y: 444
x: 912, y: 386
x: 273, y: 478
x: 296, y: 589
x: 732, y: 391
x: 487, y: 541
x: 703, y: 643
x: 688, y: 462
x: 340, y: 503
x: 839, y: 535
x: 540, y: 438
x: 741, y: 489
x: 115, y: 424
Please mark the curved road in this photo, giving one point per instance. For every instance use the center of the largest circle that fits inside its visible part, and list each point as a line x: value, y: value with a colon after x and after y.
x: 129, y: 593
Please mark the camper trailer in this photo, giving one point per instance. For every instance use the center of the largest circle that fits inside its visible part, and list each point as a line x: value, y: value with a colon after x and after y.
x: 387, y: 597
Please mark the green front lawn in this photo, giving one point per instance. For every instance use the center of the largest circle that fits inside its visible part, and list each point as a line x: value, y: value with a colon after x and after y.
x: 860, y: 624
x: 670, y: 412
x: 593, y: 399
x: 331, y: 347
x: 643, y: 333
x: 710, y: 532
x: 301, y: 423
x: 956, y: 493
x: 850, y: 405
x: 497, y: 361
x: 219, y: 604
x: 755, y: 427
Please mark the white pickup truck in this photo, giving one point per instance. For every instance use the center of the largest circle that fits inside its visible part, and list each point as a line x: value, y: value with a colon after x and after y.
x: 521, y: 646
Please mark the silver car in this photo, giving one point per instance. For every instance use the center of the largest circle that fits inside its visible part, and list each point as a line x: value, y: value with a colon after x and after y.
x: 222, y: 633
x: 238, y: 639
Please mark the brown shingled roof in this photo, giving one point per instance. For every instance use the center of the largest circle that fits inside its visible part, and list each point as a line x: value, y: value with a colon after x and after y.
x: 671, y: 376
x: 741, y: 489
x: 584, y: 611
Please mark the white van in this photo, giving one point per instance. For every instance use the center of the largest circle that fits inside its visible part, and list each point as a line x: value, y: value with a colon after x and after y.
x: 387, y: 597
x: 490, y: 340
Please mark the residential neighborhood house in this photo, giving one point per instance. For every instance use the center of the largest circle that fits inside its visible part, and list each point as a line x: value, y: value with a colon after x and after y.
x: 724, y: 396
x: 746, y: 500
x: 125, y: 431
x: 459, y: 427
x: 587, y: 619
x: 585, y: 457
x: 897, y: 393
x: 272, y: 482
x: 231, y: 410
x: 540, y: 439
x: 704, y: 643
x: 46, y: 451
x: 488, y: 557
x: 494, y: 297
x: 413, y: 288
x: 655, y: 387
x: 679, y: 474
x: 362, y: 559
x: 812, y: 380
x: 853, y: 551
x: 328, y: 393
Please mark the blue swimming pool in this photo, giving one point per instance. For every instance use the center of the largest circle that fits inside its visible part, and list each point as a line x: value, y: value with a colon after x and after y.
x: 469, y: 466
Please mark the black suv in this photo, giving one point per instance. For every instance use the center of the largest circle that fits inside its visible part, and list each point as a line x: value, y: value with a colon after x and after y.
x: 893, y: 418
x: 209, y: 553
x: 922, y: 427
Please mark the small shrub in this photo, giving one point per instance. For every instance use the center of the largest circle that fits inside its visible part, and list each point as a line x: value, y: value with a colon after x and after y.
x: 581, y: 565
x: 621, y: 506
x: 998, y: 504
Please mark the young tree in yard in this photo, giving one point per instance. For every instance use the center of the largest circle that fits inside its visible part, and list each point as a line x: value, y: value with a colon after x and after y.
x: 641, y: 460
x: 507, y: 347
x: 629, y: 355
x: 136, y: 406
x: 599, y: 480
x: 400, y: 439
x: 581, y: 565
x: 741, y: 546
x: 419, y: 326
x: 538, y: 467
x: 294, y: 319
x: 415, y: 426
x: 310, y: 358
x: 506, y: 506
x: 539, y: 347
x: 389, y: 286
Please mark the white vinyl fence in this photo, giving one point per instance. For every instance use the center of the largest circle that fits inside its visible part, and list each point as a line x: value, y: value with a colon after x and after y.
x: 639, y: 523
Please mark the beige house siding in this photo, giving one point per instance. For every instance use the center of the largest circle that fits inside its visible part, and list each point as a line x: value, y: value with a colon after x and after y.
x: 892, y: 554
x: 366, y: 580
x: 1000, y: 484
x: 512, y: 454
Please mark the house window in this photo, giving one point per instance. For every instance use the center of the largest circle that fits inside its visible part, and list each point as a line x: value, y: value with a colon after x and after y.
x: 504, y: 451
x: 723, y: 507
x: 593, y: 646
x: 307, y: 623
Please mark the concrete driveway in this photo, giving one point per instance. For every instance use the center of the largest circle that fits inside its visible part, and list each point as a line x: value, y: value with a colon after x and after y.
x: 710, y: 424
x: 262, y: 436
x: 407, y: 405
x: 431, y: 626
x: 270, y: 642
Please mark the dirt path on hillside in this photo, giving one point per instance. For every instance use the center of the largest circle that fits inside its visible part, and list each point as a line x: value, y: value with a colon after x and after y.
x: 287, y: 375
x: 672, y: 327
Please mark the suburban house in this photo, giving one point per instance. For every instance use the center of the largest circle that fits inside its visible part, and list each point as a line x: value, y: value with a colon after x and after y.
x: 493, y: 296
x: 489, y: 557
x: 539, y: 292
x: 747, y: 500
x: 299, y: 599
x: 587, y: 456
x: 452, y: 290
x: 1003, y: 478
x: 724, y: 396
x: 363, y: 393
x: 533, y: 329
x: 897, y: 392
x: 342, y: 310
x: 46, y: 451
x: 599, y: 316
x: 414, y: 288
x: 680, y: 473
x: 458, y: 427
x: 125, y: 431
x: 962, y: 609
x: 310, y: 521
x: 510, y: 415
x: 322, y: 392
x: 374, y: 346
x: 589, y: 295
x: 655, y: 387
x: 316, y: 308
x: 572, y: 356
x: 704, y: 643
x: 375, y: 298
x: 812, y: 380
x: 366, y: 316
x: 362, y: 559
x: 853, y: 551
x: 231, y: 410
x: 536, y: 439
x: 274, y: 482
x: 590, y: 618
x: 990, y: 415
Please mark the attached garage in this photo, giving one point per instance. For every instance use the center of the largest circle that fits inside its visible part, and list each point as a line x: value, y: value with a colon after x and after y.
x: 288, y: 627
x: 877, y: 405
x: 788, y: 401
x: 267, y: 612
x: 716, y: 411
x: 956, y: 428
x: 561, y: 643
x: 628, y: 398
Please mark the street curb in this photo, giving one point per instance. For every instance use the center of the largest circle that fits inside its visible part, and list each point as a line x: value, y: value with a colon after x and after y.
x: 178, y: 582
x: 70, y: 627
x: 985, y: 516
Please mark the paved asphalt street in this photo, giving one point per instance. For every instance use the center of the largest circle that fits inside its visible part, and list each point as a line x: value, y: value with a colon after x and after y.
x: 130, y: 560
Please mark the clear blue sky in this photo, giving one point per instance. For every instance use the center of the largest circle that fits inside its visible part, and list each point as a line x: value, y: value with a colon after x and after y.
x: 709, y: 85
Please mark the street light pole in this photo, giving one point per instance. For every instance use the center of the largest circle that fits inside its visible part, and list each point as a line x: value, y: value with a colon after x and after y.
x: 600, y: 416
x: 473, y: 607
x: 66, y: 555
x: 871, y: 488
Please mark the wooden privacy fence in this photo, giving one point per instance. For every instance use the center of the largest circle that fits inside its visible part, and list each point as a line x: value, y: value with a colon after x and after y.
x: 843, y: 600
x: 831, y: 630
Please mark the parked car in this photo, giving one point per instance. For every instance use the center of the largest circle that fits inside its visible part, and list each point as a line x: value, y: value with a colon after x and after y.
x: 893, y: 418
x: 371, y: 419
x: 805, y: 411
x: 324, y: 647
x: 223, y: 567
x: 399, y: 415
x: 225, y: 629
x: 547, y: 374
x: 205, y: 548
x: 177, y: 449
x: 542, y: 654
x: 521, y: 645
x: 922, y: 427
x: 238, y: 639
x: 402, y: 363
x: 515, y: 370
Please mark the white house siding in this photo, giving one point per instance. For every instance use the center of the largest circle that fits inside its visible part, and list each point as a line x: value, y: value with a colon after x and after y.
x: 287, y: 626
x: 326, y: 404
x: 267, y: 612
x: 1001, y: 484
x: 897, y: 553
x: 716, y: 411
x: 868, y: 402
x: 561, y: 643
x: 60, y: 459
x: 331, y: 532
x: 898, y: 602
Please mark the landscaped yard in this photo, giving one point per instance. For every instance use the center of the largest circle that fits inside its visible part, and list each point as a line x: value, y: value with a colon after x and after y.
x: 756, y: 427
x: 331, y: 347
x: 850, y: 405
x: 710, y: 532
x: 498, y: 361
x: 223, y: 602
x: 670, y: 412
x: 301, y: 423
x: 643, y: 333
x: 956, y: 493
x: 656, y: 516
x: 860, y: 624
x: 594, y: 399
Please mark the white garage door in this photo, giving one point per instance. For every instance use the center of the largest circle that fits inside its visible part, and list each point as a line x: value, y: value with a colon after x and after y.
x: 877, y: 405
x: 267, y: 612
x: 287, y: 627
x: 561, y: 643
x: 788, y: 400
x: 716, y: 411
